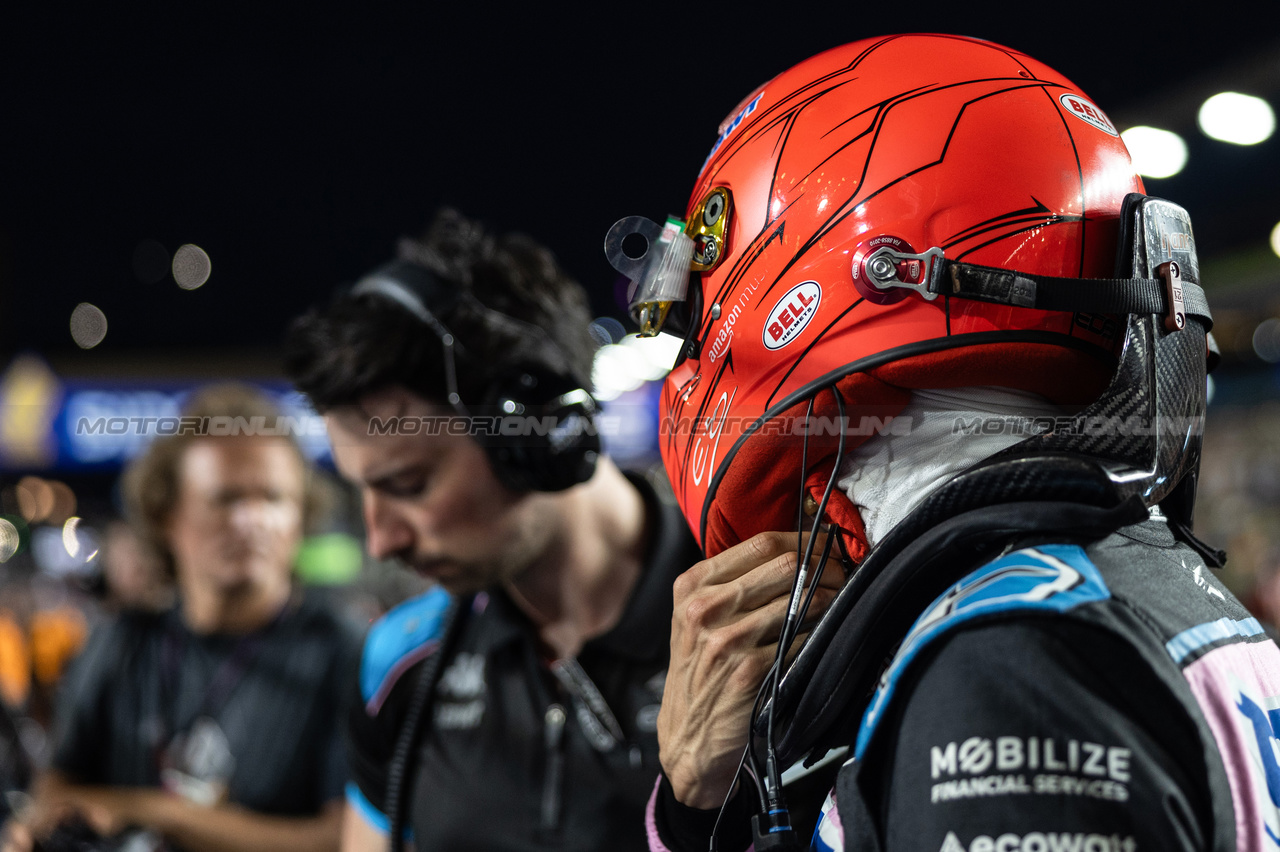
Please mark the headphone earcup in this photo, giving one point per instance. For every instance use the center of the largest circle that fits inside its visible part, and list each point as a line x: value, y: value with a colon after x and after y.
x: 545, y: 436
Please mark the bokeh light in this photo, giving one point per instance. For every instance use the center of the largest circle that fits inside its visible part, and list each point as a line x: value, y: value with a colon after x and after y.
x: 191, y: 266
x: 625, y: 366
x: 1236, y: 118
x: 606, y: 330
x: 64, y: 502
x: 1156, y: 153
x: 69, y: 540
x: 1266, y: 340
x: 36, y: 499
x: 617, y: 370
x: 9, y: 539
x: 88, y: 325
x: 659, y: 352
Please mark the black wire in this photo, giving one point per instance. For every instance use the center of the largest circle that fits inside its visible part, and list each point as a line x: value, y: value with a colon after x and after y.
x: 753, y: 765
x: 749, y: 760
x: 715, y: 828
x: 826, y: 547
x: 804, y: 475
x: 773, y: 676
x: 791, y: 625
x: 813, y: 588
x: 846, y: 558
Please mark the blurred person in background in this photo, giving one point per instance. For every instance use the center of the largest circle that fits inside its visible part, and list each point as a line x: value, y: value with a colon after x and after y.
x: 41, y: 630
x: 58, y: 629
x: 43, y: 625
x: 516, y: 705
x: 133, y: 575
x: 214, y: 725
x: 16, y: 763
x: 15, y: 648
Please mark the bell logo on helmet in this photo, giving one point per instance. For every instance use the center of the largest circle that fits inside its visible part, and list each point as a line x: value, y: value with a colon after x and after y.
x: 791, y: 314
x: 1088, y: 113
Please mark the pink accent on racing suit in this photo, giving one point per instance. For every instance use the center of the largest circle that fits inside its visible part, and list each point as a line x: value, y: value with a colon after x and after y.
x: 1238, y: 688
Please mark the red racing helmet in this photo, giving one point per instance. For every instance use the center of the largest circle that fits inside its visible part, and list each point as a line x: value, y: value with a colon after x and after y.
x: 853, y: 232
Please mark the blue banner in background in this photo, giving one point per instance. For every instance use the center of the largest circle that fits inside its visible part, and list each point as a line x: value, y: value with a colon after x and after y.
x: 106, y: 425
x: 79, y: 425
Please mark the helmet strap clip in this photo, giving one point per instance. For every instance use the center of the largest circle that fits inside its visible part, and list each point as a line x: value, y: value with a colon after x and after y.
x: 1175, y: 316
x: 887, y: 269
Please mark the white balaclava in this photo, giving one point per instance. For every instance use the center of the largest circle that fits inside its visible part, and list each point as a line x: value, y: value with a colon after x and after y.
x: 890, y: 474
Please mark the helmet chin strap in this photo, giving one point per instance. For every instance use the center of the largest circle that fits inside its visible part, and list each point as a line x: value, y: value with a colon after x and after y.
x: 889, y: 475
x: 1169, y: 294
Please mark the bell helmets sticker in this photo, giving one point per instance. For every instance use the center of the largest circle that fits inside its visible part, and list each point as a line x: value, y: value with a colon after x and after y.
x: 1088, y: 113
x: 791, y: 314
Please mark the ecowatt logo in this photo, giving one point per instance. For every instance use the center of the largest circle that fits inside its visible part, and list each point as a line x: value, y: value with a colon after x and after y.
x: 1042, y: 841
x: 791, y: 314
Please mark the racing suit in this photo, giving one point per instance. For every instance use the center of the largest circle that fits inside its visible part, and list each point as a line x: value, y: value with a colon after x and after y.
x: 1067, y: 694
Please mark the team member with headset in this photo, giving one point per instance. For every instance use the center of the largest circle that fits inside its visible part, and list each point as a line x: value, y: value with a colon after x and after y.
x: 516, y: 704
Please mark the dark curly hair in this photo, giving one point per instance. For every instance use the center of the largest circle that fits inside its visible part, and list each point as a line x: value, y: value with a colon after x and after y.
x: 359, y: 344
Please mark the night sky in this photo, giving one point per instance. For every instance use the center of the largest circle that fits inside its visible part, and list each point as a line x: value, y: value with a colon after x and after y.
x: 296, y: 144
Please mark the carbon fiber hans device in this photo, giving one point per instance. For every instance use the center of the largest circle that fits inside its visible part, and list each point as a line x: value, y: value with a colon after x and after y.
x: 1146, y: 427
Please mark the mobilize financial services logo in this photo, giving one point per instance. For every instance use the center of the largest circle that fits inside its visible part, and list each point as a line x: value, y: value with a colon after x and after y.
x: 979, y: 767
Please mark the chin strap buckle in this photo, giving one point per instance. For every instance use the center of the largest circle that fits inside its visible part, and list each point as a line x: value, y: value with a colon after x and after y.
x: 1170, y: 273
x: 888, y: 269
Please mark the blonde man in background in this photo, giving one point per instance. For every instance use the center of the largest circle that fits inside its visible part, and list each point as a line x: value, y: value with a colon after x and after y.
x: 213, y: 725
